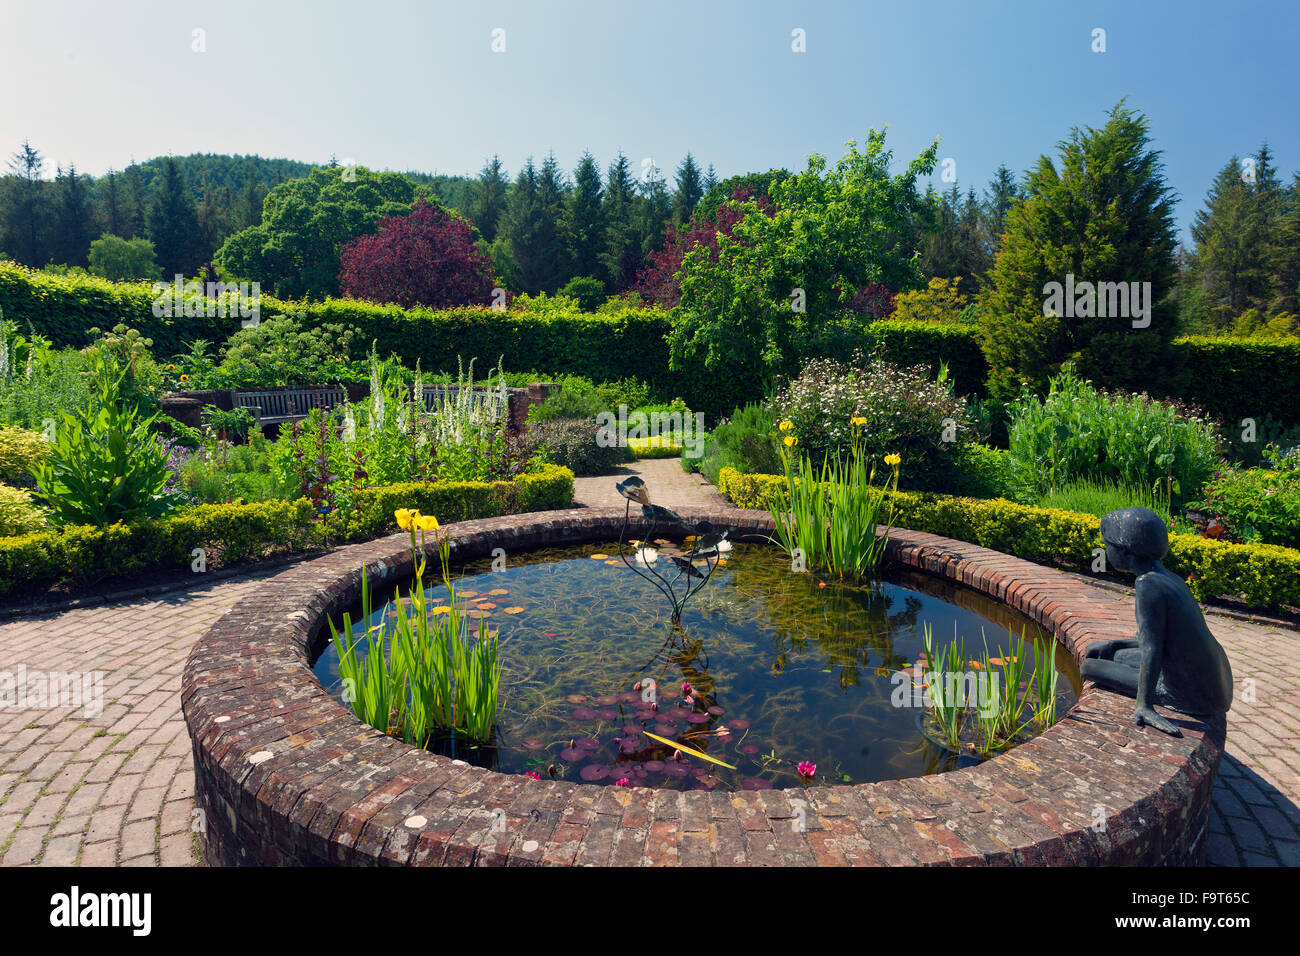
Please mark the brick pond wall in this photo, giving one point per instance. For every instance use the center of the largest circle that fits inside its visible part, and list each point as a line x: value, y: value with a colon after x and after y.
x: 286, y: 775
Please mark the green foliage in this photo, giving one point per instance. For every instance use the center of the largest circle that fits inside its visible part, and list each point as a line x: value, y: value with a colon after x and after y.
x: 239, y: 532
x: 128, y: 350
x: 905, y: 411
x: 1257, y: 504
x: 1078, y: 432
x: 746, y: 442
x: 21, y: 450
x: 1232, y: 378
x: 1104, y: 216
x: 940, y: 301
x: 438, y: 675
x: 283, y: 350
x: 105, y: 465
x: 741, y: 323
x: 294, y: 250
x: 123, y: 260
x: 18, y: 514
x: 574, y: 444
x: 1264, y: 575
x: 1092, y: 497
x: 589, y: 293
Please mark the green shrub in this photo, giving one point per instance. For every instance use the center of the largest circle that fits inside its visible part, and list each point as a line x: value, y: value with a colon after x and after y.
x: 984, y: 472
x: 283, y: 350
x: 105, y: 465
x: 18, y: 515
x: 1078, y: 432
x: 589, y: 293
x: 238, y: 532
x: 1257, y: 504
x: 1234, y: 378
x: 900, y: 410
x: 21, y: 450
x: 746, y: 442
x: 1099, y: 498
x: 574, y: 444
x: 1264, y: 575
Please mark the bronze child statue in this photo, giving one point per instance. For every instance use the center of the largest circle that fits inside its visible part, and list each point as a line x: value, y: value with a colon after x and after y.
x: 1175, y: 660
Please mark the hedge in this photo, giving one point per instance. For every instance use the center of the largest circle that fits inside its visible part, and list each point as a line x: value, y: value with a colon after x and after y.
x: 1264, y: 575
x: 1230, y: 377
x: 603, y: 347
x: 239, y: 532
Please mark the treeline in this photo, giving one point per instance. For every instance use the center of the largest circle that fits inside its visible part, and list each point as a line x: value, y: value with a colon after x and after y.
x: 1243, y: 273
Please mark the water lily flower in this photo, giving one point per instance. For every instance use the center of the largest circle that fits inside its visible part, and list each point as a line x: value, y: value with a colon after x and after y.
x: 807, y: 770
x: 687, y: 689
x: 534, y: 774
x: 646, y: 556
x: 624, y: 782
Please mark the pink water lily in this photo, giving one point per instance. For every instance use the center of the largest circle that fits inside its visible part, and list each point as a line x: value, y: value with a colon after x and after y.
x: 534, y: 774
x: 624, y: 782
x: 807, y: 770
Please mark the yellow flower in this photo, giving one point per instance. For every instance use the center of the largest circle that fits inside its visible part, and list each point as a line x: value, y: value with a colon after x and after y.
x: 426, y: 522
x: 791, y: 441
x: 787, y: 425
x: 185, y: 378
x: 857, y: 421
x: 404, y: 518
x: 893, y: 460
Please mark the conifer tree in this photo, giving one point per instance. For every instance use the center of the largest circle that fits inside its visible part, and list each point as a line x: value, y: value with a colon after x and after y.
x: 690, y: 190
x: 488, y: 198
x: 584, y: 222
x: 174, y: 224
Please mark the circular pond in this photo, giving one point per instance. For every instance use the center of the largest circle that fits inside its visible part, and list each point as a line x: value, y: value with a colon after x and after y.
x: 772, y: 679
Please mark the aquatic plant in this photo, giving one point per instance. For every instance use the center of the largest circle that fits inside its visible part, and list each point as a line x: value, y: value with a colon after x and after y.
x: 439, y: 676
x: 989, y: 703
x: 835, y: 511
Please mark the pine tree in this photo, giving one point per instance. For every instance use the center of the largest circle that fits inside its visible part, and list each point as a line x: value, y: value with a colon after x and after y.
x: 1002, y: 193
x: 73, y: 225
x: 710, y: 179
x: 488, y: 198
x: 26, y: 201
x: 137, y: 206
x: 1231, y: 258
x: 690, y: 190
x: 622, y: 255
x: 528, y: 231
x: 1104, y: 216
x: 584, y: 222
x: 654, y: 211
x: 174, y: 224
x: 111, y: 209
x: 1283, y: 253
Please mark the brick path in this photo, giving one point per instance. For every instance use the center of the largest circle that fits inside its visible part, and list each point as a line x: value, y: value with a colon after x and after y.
x: 116, y: 787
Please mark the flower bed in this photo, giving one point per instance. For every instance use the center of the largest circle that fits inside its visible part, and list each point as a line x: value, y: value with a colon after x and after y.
x: 286, y: 775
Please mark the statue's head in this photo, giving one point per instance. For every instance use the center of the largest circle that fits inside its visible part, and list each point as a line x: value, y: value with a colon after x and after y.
x: 1133, y: 535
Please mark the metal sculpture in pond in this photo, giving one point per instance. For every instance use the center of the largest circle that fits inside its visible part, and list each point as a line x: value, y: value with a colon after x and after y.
x: 1174, y: 661
x: 707, y: 547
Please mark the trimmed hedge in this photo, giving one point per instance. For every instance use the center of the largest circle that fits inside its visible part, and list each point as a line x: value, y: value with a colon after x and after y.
x: 604, y: 347
x: 1230, y: 377
x: 247, y: 531
x: 1265, y: 575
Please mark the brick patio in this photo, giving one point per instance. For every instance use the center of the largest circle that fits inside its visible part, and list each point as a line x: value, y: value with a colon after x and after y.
x: 117, y: 787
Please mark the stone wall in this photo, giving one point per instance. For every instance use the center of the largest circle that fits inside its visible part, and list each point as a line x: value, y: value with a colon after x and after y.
x: 286, y: 775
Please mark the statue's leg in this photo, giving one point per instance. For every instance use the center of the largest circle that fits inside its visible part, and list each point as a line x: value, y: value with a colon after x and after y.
x: 1113, y: 675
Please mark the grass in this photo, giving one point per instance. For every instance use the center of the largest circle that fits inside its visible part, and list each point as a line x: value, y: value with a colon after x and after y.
x: 1089, y: 496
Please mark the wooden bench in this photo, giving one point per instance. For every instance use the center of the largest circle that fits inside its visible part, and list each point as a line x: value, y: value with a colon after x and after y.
x: 274, y: 406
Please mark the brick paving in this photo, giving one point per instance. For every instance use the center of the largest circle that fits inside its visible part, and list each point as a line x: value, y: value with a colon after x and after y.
x: 116, y: 787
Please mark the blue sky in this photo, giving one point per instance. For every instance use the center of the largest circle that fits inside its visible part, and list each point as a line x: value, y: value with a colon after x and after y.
x: 416, y: 85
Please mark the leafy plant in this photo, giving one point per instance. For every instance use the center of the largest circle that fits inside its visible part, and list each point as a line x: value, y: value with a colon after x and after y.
x: 438, y: 676
x: 105, y: 466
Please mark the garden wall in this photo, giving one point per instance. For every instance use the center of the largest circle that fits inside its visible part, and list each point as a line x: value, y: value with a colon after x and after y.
x: 286, y: 775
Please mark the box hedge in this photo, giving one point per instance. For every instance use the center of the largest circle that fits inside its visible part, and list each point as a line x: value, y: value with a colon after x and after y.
x: 240, y: 532
x: 1264, y: 575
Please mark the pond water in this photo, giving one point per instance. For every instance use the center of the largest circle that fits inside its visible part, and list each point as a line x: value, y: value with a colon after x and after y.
x: 784, y: 668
